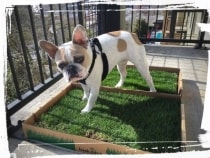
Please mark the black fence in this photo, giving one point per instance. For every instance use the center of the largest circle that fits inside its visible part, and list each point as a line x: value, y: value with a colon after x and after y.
x: 29, y: 69
x: 155, y: 24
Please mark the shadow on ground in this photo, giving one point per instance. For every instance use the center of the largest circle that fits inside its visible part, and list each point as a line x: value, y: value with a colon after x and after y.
x: 193, y: 114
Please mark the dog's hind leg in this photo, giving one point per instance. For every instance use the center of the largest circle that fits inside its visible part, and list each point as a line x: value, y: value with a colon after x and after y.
x: 146, y: 75
x: 121, y: 66
x: 140, y: 61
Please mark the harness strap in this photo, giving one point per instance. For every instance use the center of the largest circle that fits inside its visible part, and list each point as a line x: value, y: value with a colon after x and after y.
x: 95, y: 42
x: 105, y: 66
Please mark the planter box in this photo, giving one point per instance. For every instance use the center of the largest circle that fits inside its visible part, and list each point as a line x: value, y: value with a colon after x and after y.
x: 178, y: 94
x: 89, y: 145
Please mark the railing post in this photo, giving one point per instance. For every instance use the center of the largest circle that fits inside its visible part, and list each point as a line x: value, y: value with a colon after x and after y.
x: 122, y: 17
x: 24, y: 49
x: 8, y: 118
x: 45, y: 36
x: 173, y: 23
x: 202, y: 34
x: 101, y: 18
x: 61, y: 21
x: 108, y: 18
x: 53, y: 24
x: 39, y: 60
x: 80, y: 15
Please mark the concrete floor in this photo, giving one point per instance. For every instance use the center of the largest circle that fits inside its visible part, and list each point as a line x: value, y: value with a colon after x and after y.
x: 193, y: 64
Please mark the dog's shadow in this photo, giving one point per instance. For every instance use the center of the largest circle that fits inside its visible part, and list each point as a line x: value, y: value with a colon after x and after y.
x: 154, y: 122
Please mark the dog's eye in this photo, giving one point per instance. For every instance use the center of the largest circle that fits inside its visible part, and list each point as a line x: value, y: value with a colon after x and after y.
x: 62, y: 65
x: 79, y: 59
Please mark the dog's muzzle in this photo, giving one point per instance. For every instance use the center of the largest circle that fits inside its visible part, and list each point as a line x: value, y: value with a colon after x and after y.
x: 71, y: 72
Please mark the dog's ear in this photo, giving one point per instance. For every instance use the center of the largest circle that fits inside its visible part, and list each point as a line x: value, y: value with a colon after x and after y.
x: 48, y: 47
x: 79, y: 36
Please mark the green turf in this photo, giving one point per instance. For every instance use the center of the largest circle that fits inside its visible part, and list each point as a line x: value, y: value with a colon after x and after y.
x: 123, y: 119
x: 164, y: 81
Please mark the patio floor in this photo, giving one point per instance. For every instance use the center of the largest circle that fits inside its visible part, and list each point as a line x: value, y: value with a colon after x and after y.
x: 193, y: 64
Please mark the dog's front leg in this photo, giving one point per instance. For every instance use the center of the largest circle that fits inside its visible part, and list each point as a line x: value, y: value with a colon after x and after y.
x: 86, y: 90
x: 94, y: 91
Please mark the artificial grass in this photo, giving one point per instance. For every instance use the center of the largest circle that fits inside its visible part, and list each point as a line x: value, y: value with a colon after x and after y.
x: 165, y: 82
x: 142, y: 122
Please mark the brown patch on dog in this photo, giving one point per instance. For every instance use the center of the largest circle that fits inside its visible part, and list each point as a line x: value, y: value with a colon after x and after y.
x: 115, y: 33
x: 121, y: 45
x: 136, y: 39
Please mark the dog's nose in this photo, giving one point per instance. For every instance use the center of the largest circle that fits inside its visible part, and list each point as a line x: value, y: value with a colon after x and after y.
x: 72, y: 69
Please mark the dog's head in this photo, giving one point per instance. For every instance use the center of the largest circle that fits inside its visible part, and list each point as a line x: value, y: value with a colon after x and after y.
x: 72, y: 58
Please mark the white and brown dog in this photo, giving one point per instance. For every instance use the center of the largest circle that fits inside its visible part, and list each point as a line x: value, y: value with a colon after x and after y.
x: 88, y: 61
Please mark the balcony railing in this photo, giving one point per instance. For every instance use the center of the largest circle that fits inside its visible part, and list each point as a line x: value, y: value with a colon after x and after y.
x: 29, y: 69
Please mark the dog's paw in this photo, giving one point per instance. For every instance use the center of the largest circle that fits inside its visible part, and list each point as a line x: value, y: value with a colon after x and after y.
x: 84, y: 98
x: 118, y: 85
x: 85, y: 110
x: 153, y: 90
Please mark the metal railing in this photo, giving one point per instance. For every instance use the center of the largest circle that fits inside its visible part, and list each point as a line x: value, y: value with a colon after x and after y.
x: 29, y: 69
x: 174, y: 26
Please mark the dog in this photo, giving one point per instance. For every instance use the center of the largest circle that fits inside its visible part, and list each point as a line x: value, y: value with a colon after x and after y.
x: 89, y: 61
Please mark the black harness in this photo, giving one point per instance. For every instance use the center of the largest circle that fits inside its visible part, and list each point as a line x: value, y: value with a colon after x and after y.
x: 95, y: 42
